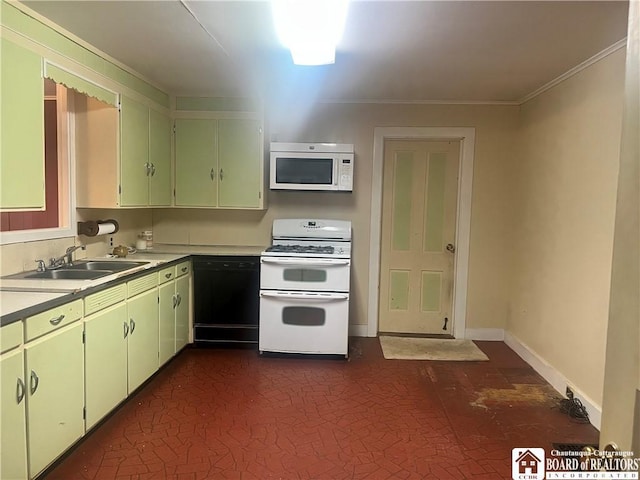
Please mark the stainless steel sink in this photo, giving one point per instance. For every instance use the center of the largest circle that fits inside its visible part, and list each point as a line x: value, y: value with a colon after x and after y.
x: 112, y: 266
x: 82, y: 270
x: 67, y: 274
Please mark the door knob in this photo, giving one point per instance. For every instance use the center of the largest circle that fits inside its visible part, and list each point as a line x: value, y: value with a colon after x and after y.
x: 450, y: 248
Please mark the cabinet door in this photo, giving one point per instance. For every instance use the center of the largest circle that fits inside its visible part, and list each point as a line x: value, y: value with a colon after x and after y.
x: 13, y: 456
x: 182, y: 311
x: 166, y: 293
x: 105, y: 356
x: 196, y: 163
x: 240, y: 174
x: 142, y: 311
x: 159, y: 159
x: 54, y: 370
x: 21, y: 129
x: 134, y: 153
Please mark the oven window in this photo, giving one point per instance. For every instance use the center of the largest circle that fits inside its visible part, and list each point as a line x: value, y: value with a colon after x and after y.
x: 303, y: 316
x: 305, y: 171
x: 304, y: 275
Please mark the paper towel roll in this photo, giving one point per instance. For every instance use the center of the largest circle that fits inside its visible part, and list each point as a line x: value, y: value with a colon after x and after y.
x: 106, y: 227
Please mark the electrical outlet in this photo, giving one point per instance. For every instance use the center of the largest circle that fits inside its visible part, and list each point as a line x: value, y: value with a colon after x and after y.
x: 111, y: 241
x: 569, y: 393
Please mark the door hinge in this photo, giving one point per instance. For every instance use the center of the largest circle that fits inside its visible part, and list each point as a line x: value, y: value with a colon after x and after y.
x: 259, y: 195
x: 84, y: 413
x: 174, y: 127
x: 84, y: 337
x: 120, y: 189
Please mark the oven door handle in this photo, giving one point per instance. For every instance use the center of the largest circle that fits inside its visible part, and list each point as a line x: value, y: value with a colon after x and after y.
x: 307, y: 296
x: 305, y: 261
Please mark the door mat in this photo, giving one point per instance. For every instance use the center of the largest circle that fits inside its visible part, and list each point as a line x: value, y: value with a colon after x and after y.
x: 412, y: 348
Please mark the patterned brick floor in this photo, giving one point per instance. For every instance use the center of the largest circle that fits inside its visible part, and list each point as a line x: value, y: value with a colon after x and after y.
x: 230, y: 414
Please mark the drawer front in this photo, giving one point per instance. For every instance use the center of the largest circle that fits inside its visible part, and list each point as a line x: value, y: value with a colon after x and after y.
x: 183, y: 268
x: 10, y: 336
x: 105, y: 298
x: 166, y: 275
x: 142, y: 284
x: 50, y: 320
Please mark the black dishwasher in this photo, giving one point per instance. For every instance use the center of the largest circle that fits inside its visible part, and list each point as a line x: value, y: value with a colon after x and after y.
x: 226, y: 300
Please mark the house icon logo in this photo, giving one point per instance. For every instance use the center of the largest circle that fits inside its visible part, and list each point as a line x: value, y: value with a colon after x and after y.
x: 527, y: 464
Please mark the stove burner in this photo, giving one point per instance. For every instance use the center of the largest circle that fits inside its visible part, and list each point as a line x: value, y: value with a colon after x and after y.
x: 301, y: 249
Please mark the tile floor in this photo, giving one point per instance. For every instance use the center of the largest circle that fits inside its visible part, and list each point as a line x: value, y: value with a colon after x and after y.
x: 230, y: 414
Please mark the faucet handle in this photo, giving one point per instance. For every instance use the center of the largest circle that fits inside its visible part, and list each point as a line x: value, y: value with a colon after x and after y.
x: 41, y: 266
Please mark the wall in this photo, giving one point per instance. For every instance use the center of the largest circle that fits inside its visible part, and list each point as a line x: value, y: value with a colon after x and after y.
x: 354, y: 123
x: 564, y: 196
x: 19, y: 257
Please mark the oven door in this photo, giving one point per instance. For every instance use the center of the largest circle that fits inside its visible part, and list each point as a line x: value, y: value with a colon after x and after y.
x: 304, y: 322
x: 316, y: 274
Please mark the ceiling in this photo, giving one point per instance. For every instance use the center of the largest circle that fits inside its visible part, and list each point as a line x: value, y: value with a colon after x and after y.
x: 395, y: 51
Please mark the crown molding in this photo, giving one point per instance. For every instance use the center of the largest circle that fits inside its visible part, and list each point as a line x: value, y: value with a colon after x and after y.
x: 575, y: 70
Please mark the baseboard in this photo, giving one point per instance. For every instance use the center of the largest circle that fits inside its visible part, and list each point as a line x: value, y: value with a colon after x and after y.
x: 490, y: 334
x: 553, y: 376
x: 358, y: 330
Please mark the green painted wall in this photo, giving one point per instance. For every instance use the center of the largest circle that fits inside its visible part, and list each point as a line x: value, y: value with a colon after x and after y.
x: 18, y: 21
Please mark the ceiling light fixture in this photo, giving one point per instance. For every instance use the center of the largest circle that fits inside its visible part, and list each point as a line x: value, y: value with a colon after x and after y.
x: 310, y: 29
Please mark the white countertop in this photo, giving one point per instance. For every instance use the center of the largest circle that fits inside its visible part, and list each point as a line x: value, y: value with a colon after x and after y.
x: 20, y: 294
x: 68, y: 286
x: 15, y: 301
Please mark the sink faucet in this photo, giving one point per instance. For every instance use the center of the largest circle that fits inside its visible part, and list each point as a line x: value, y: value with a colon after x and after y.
x: 66, y: 259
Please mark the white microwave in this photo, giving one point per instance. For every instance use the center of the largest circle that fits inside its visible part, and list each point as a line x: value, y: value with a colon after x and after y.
x: 311, y: 166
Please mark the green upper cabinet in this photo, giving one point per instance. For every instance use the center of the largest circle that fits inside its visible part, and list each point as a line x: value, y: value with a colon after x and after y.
x: 219, y: 163
x: 159, y: 159
x: 239, y: 156
x: 21, y: 129
x: 134, y: 153
x: 145, y: 156
x: 196, y: 162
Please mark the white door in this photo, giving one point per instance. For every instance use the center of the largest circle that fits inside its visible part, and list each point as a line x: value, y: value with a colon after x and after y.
x: 419, y: 200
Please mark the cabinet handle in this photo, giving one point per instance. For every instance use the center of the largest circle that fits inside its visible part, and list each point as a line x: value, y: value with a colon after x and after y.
x: 175, y: 301
x: 33, y: 383
x: 147, y: 168
x: 167, y: 275
x: 153, y: 169
x: 221, y: 174
x: 19, y: 390
x: 126, y: 329
x: 179, y: 299
x: 132, y: 324
x: 212, y: 174
x: 184, y: 269
x: 57, y: 320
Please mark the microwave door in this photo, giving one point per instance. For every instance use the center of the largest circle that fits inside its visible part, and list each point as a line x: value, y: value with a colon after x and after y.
x: 303, y: 173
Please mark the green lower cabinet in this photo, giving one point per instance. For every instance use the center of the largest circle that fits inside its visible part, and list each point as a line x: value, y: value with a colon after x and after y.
x: 142, y: 348
x: 106, y: 338
x: 182, y: 312
x: 55, y: 399
x: 166, y: 293
x: 13, y: 455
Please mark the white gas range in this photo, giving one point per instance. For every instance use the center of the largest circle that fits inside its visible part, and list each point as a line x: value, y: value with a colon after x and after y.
x: 304, y: 287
